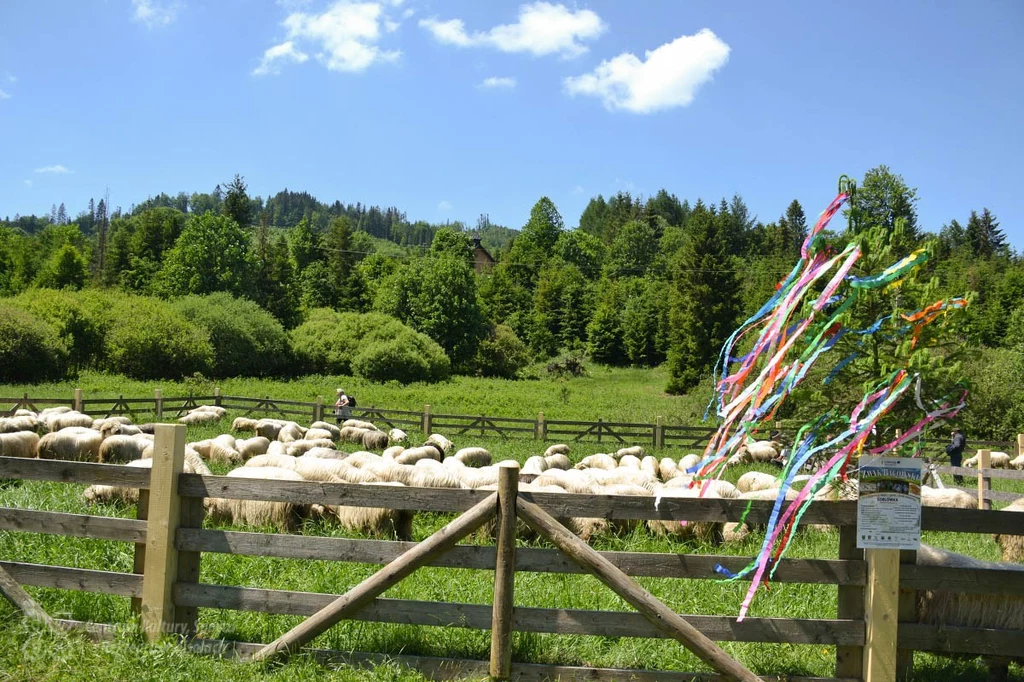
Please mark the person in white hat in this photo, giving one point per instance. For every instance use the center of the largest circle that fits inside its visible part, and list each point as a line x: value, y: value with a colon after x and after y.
x: 341, y: 407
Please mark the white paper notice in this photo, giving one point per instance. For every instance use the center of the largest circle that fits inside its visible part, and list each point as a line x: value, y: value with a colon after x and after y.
x: 889, y: 505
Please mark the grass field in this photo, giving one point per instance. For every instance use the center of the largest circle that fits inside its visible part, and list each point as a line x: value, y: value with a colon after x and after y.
x: 28, y: 654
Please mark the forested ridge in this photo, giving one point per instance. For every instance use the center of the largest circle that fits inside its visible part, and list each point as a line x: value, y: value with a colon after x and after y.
x: 639, y: 281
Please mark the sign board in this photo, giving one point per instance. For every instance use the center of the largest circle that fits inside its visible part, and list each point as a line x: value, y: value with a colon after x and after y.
x: 889, y: 503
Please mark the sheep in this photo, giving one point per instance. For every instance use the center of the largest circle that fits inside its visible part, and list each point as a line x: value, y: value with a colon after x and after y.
x: 649, y: 466
x: 324, y: 453
x: 636, y: 451
x: 557, y: 460
x: 397, y: 436
x: 535, y: 465
x: 269, y: 428
x: 478, y: 478
x: 352, y: 434
x: 412, y: 455
x: 283, y: 515
x: 276, y: 447
x: 687, y: 462
x: 122, y: 448
x: 290, y: 433
x: 628, y: 489
x: 19, y: 444
x: 362, y: 458
x: 148, y: 427
x: 49, y: 413
x: 371, y: 520
x: 392, y: 452
x: 557, y: 449
x: 679, y: 481
x: 699, y: 530
x: 667, y: 468
x: 100, y: 424
x: 950, y: 498
x: 755, y: 480
x: 18, y: 423
x: 442, y: 477
x: 429, y: 464
x: 359, y: 424
x: 1017, y: 462
x: 22, y: 412
x: 203, y: 414
x: 442, y: 443
x: 250, y: 447
x: 78, y: 443
x: 375, y: 440
x: 300, y: 447
x: 604, y: 477
x: 277, y: 461
x: 244, y: 425
x: 222, y: 450
x: 475, y: 457
x: 326, y: 426
x: 598, y: 461
x: 63, y: 420
x: 118, y: 429
x: 572, y: 481
x: 997, y: 460
x: 449, y: 463
x: 1012, y: 546
x: 316, y: 433
x: 100, y: 494
x: 630, y: 462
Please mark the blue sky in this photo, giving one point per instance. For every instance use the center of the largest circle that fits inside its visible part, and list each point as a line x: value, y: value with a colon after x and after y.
x: 455, y: 108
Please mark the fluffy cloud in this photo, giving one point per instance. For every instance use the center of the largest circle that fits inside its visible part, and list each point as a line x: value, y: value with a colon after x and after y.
x: 56, y: 169
x: 542, y: 29
x: 4, y: 95
x: 498, y: 83
x: 668, y: 77
x: 344, y: 38
x: 154, y: 14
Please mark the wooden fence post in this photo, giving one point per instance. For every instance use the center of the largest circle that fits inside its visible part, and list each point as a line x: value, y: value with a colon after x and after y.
x: 158, y: 403
x: 659, y: 433
x: 600, y: 427
x: 984, y: 482
x: 139, y: 562
x: 318, y: 409
x: 164, y: 517
x: 216, y: 396
x: 504, y: 573
x: 78, y: 403
x: 426, y: 420
x: 542, y: 427
x: 907, y: 614
x: 1020, y: 444
x: 881, y: 614
x: 850, y: 659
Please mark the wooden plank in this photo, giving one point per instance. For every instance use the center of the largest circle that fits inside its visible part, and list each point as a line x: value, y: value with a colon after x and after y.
x: 881, y: 611
x: 950, y: 639
x: 984, y: 482
x: 72, y: 525
x: 13, y: 592
x: 192, y: 513
x: 907, y: 613
x: 530, y: 559
x: 964, y: 580
x: 381, y: 581
x: 504, y: 573
x: 1008, y: 474
x: 139, y: 558
x: 978, y: 521
x: 525, y: 619
x: 73, y: 472
x: 78, y: 579
x: 849, y: 659
x: 643, y: 601
x: 161, y: 567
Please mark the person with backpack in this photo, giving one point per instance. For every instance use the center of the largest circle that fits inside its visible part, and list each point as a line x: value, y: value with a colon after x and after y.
x: 343, y: 406
x: 955, y: 450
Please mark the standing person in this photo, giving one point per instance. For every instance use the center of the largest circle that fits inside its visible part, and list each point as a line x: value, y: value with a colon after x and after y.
x: 342, y: 408
x: 955, y: 450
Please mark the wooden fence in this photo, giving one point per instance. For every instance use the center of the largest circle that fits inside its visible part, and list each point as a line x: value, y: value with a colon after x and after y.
x: 874, y: 630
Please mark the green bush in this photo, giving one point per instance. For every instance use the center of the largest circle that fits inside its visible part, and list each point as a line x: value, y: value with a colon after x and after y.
x: 30, y: 349
x: 502, y: 354
x: 75, y: 318
x: 370, y: 345
x: 247, y: 340
x: 148, y: 339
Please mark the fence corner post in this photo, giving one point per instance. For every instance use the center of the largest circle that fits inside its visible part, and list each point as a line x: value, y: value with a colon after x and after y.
x: 659, y: 433
x: 164, y: 510
x: 881, y: 614
x: 984, y: 482
x: 318, y: 409
x: 426, y: 420
x: 850, y: 659
x: 78, y: 402
x: 542, y: 427
x: 158, y: 403
x: 504, y: 573
x: 216, y: 396
x: 1020, y: 444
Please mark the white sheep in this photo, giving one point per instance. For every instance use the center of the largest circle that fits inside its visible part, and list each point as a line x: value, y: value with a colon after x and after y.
x: 412, y: 455
x: 290, y: 433
x: 48, y: 413
x: 478, y: 478
x: 122, y: 448
x: 73, y: 443
x: 627, y: 489
x: 476, y: 457
x: 352, y: 434
x: 997, y: 460
x: 277, y: 461
x: 557, y: 460
x: 667, y: 468
x: 359, y: 424
x: 598, y: 461
x: 296, y: 448
x: 19, y: 444
x: 630, y: 462
x: 19, y: 423
x: 705, y: 531
x: 222, y: 450
x: 572, y: 481
x: 244, y: 425
x: 687, y: 462
x: 392, y: 452
x: 557, y: 449
x: 950, y: 498
x: 203, y: 414
x: 1012, y: 546
x: 250, y: 447
x: 326, y: 426
x: 375, y: 440
x: 649, y: 466
x: 23, y: 412
x: 755, y: 480
x: 63, y: 420
x: 269, y: 428
x: 99, y: 494
x: 316, y: 433
x: 442, y: 443
x: 1017, y: 462
x: 636, y: 451
x: 396, y: 436
x: 324, y: 453
x: 535, y: 465
x: 285, y: 516
x: 380, y: 522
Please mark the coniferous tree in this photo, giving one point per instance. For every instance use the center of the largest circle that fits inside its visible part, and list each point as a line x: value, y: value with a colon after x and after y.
x: 342, y: 261
x: 236, y: 204
x: 983, y: 235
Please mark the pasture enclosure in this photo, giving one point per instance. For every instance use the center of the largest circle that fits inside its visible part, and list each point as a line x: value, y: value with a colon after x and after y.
x: 875, y: 629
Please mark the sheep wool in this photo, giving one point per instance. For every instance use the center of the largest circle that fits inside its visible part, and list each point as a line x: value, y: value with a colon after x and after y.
x: 19, y: 444
x: 700, y: 530
x: 77, y: 443
x: 442, y: 443
x: 997, y: 460
x: 379, y: 522
x: 67, y: 419
x: 950, y: 498
x: 636, y: 451
x: 352, y: 434
x: 598, y: 461
x: 269, y: 428
x: 557, y: 460
x: 325, y: 453
x: 316, y: 433
x: 244, y: 425
x: 359, y: 424
x: 535, y: 465
x: 283, y: 515
x: 290, y: 433
x: 474, y: 457
x: 393, y: 451
x: 250, y: 447
x: 397, y: 436
x: 375, y: 440
x: 327, y: 426
x: 667, y: 468
x: 630, y: 462
x: 755, y: 480
x: 688, y: 462
x: 1012, y: 546
x: 413, y: 455
x: 298, y: 448
x: 557, y: 449
x: 278, y: 461
x: 117, y: 449
x: 18, y: 423
x: 649, y: 466
x: 222, y: 450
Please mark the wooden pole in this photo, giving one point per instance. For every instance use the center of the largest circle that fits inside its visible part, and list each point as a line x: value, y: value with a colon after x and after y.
x: 78, y: 403
x: 164, y: 516
x: 139, y: 560
x: 504, y: 572
x: 881, y: 613
x: 661, y: 616
x: 542, y: 427
x: 318, y: 409
x: 426, y: 420
x: 1020, y: 444
x: 850, y: 659
x: 907, y: 614
x: 191, y: 516
x: 984, y: 482
x: 216, y: 396
x: 158, y: 403
x: 13, y: 592
x: 368, y: 590
x: 659, y: 433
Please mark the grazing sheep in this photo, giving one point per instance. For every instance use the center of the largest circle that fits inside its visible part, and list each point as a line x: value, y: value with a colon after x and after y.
x: 557, y: 460
x: 316, y: 433
x: 277, y: 448
x: 352, y: 434
x: 719, y: 488
x: 397, y: 436
x: 630, y: 462
x: 1012, y: 546
x: 1017, y: 462
x: 298, y: 448
x: 449, y: 463
x: 392, y: 452
x: 22, y: 412
x: 629, y: 489
x: 755, y: 480
x: 429, y: 464
x: 359, y: 424
x: 322, y: 470
x: 478, y: 478
x: 121, y: 448
x: 754, y: 451
x: 48, y: 413
x: 950, y: 498
x: 19, y: 444
x: 687, y: 462
x: 667, y: 468
x: 222, y: 450
x: 326, y: 426
x: 439, y: 441
x: 535, y: 465
x: 379, y: 522
x: 679, y: 481
x: 277, y: 461
x: 269, y: 428
x: 244, y: 425
x: 375, y: 440
x: 203, y: 414
x: 598, y: 461
x: 99, y: 424
x: 78, y: 443
x: 18, y: 423
x: 621, y: 475
x: 107, y: 494
x: 250, y: 447
x: 65, y: 419
x: 557, y: 449
x: 116, y: 429
x: 997, y: 460
x: 325, y: 453
x: 362, y: 458
x: 649, y: 466
x: 572, y: 481
x: 413, y: 455
x: 290, y: 433
x: 285, y: 516
x: 636, y: 451
x: 474, y: 457
x: 704, y: 531
x: 148, y: 427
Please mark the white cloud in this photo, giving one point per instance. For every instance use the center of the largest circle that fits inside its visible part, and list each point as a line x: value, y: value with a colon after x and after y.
x: 543, y: 28
x: 407, y: 14
x: 343, y: 38
x: 444, y: 205
x: 498, y: 83
x: 154, y: 14
x: 28, y: 183
x: 4, y: 95
x: 55, y: 169
x: 273, y: 55
x: 669, y: 77
x: 11, y: 78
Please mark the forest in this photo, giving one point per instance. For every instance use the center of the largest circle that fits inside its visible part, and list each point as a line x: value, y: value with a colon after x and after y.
x: 636, y: 282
